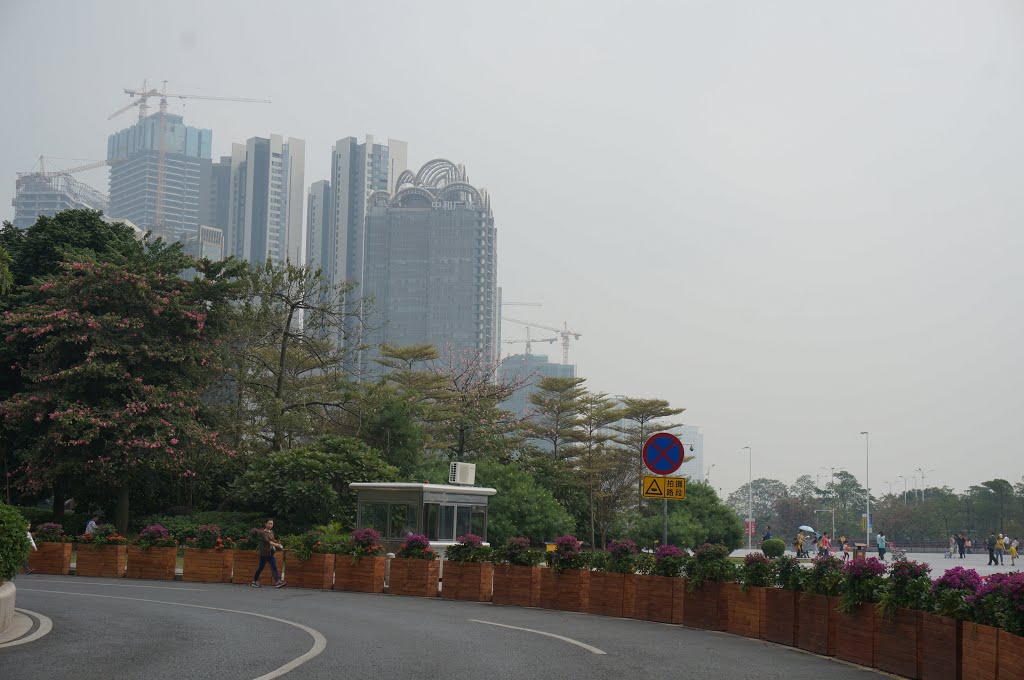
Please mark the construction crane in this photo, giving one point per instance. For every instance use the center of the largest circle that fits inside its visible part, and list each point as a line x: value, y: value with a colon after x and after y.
x: 529, y: 341
x: 563, y: 332
x: 42, y: 172
x: 142, y: 103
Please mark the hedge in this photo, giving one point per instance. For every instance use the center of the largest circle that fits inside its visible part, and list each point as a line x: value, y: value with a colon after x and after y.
x: 234, y: 524
x: 73, y: 522
x: 14, y: 545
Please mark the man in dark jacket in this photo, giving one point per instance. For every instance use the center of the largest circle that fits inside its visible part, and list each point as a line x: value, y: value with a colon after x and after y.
x: 991, y: 545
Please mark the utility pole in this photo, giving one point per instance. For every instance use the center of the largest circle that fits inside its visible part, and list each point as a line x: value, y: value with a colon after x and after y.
x: 750, y: 496
x: 867, y: 485
x: 923, y: 472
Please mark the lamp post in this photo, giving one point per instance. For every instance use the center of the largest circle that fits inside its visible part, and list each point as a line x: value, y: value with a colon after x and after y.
x: 750, y: 496
x: 924, y: 472
x: 707, y: 474
x: 890, y: 486
x: 867, y: 485
x: 904, y: 488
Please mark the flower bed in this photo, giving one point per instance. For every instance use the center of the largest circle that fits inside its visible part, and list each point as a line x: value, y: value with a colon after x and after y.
x: 151, y: 563
x: 51, y: 558
x: 1010, y: 656
x: 980, y: 659
x: 606, y: 591
x: 101, y: 560
x: 566, y: 589
x: 817, y: 624
x: 363, y: 576
x: 706, y: 607
x: 940, y: 645
x: 411, y: 576
x: 659, y: 598
x: 855, y: 634
x: 209, y: 565
x: 467, y: 581
x: 781, y: 623
x: 897, y: 643
x: 317, y: 571
x: 747, y: 610
x: 516, y: 585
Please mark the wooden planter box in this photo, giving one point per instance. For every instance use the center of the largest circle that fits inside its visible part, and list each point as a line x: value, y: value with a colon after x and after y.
x: 855, y: 635
x: 467, y: 581
x: 51, y: 558
x: 413, y: 577
x: 707, y: 607
x: 898, y: 643
x: 316, y: 572
x: 606, y: 593
x: 1011, y: 656
x: 568, y: 590
x: 629, y: 595
x: 364, y: 576
x: 516, y: 585
x: 780, y: 624
x: 208, y: 565
x: 816, y: 624
x: 659, y: 598
x: 980, y: 659
x: 245, y: 564
x: 151, y: 563
x: 101, y: 560
x: 940, y: 645
x: 747, y: 611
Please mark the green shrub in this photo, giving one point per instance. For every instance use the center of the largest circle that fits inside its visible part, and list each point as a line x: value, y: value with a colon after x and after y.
x: 469, y: 548
x: 709, y: 563
x: 516, y: 551
x: 14, y: 545
x: 788, y: 573
x: 234, y: 525
x: 773, y: 548
x: 73, y: 522
x: 755, y: 572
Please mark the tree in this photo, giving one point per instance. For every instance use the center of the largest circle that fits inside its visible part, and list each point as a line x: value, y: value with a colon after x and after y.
x: 111, y: 360
x: 1002, y: 492
x: 700, y: 518
x: 6, y: 277
x: 642, y: 419
x: 521, y: 507
x: 766, y: 496
x: 310, y: 484
x: 555, y: 417
x: 598, y: 459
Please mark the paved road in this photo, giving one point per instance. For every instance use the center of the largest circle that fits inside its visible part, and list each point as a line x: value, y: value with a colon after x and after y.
x: 107, y: 628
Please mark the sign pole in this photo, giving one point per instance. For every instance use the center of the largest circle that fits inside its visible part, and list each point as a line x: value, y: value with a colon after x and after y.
x: 664, y: 521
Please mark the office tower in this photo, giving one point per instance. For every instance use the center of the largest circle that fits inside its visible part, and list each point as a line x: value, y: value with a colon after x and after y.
x: 691, y: 435
x: 430, y: 263
x: 265, y: 206
x: 529, y: 369
x: 318, y: 221
x: 217, y: 200
x: 357, y: 170
x: 42, y: 193
x: 173, y: 211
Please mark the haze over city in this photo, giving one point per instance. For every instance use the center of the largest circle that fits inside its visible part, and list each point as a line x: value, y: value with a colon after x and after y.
x: 798, y: 221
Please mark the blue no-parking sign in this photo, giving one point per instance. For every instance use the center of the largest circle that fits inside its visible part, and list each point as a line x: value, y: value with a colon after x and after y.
x: 663, y: 453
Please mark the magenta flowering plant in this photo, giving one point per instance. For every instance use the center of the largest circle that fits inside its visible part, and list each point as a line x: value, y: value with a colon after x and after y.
x: 908, y: 587
x: 825, y: 577
x: 207, y: 537
x: 621, y: 557
x: 756, y: 572
x: 710, y: 562
x: 1000, y: 602
x: 362, y: 543
x: 516, y: 551
x: 669, y: 560
x: 951, y: 591
x: 155, y: 536
x: 50, y: 532
x: 416, y: 547
x: 568, y: 554
x: 468, y: 548
x: 861, y: 583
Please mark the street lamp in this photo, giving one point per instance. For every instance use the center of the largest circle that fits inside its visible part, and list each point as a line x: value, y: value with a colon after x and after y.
x: 707, y: 473
x: 867, y: 484
x: 833, y: 511
x: 923, y: 487
x: 890, y: 487
x: 750, y: 496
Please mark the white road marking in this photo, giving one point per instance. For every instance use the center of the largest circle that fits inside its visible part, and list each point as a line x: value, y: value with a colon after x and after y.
x: 45, y: 626
x: 319, y: 641
x: 85, y: 581
x: 585, y: 646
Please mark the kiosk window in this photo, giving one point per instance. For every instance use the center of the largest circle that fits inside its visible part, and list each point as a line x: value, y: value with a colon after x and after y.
x: 462, y: 520
x: 446, y: 526
x: 403, y: 520
x: 375, y: 516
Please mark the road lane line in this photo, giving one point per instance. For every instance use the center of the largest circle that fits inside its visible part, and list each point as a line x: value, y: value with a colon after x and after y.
x: 584, y: 645
x: 121, y: 585
x: 45, y: 625
x: 319, y: 641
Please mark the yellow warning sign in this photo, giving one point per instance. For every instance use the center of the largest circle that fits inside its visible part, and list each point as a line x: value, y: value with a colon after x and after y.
x: 670, y: 488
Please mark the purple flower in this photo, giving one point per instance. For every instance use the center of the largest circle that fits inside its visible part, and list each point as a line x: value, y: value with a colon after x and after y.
x: 520, y: 543
x: 154, y: 532
x: 568, y: 545
x: 958, y: 578
x: 366, y: 537
x: 417, y: 541
x: 664, y: 551
x: 470, y: 539
x: 624, y: 548
x: 863, y: 568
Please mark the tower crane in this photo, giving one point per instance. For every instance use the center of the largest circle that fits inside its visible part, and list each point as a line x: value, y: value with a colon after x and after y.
x: 142, y: 103
x: 529, y: 341
x: 563, y: 333
x: 42, y: 172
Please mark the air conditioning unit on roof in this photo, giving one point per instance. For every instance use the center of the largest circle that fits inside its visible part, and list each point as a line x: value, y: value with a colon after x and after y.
x: 462, y: 473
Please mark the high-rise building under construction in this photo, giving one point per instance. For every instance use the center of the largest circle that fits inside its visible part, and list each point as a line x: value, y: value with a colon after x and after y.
x: 177, y: 208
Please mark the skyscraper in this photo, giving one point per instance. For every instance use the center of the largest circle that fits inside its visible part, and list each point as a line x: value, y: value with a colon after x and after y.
x: 134, y: 182
x: 265, y: 206
x: 318, y: 224
x: 38, y: 194
x: 357, y: 170
x: 529, y: 369
x: 430, y: 262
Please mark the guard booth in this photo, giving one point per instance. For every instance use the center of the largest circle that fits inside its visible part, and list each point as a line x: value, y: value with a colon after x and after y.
x: 442, y: 512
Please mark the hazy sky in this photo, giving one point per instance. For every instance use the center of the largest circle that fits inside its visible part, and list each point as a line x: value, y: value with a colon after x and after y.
x: 798, y: 220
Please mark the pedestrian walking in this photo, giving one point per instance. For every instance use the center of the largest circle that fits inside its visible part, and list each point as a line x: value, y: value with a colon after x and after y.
x: 823, y: 545
x: 991, y: 545
x: 767, y: 534
x: 1000, y: 549
x: 880, y: 539
x: 28, y: 532
x: 268, y: 546
x: 1013, y: 553
x: 90, y: 526
x: 961, y: 544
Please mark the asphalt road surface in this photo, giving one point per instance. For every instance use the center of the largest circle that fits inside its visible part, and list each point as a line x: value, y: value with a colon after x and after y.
x: 108, y: 629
